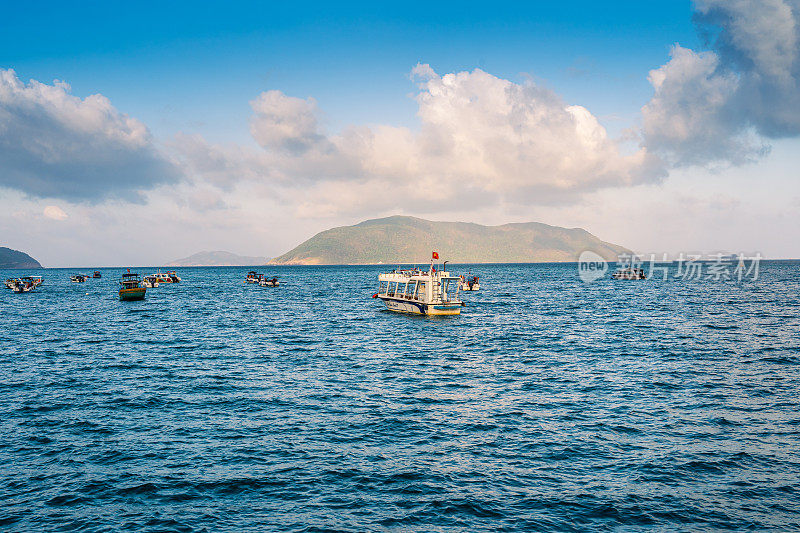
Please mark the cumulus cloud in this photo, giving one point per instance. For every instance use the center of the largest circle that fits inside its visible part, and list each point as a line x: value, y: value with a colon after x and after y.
x: 518, y: 139
x: 692, y: 117
x: 285, y: 122
x: 722, y: 105
x: 54, y: 144
x: 55, y: 213
x: 482, y: 139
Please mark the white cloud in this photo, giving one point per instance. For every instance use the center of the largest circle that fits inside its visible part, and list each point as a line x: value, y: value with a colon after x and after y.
x: 722, y: 105
x: 53, y: 144
x: 481, y: 140
x: 285, y: 122
x: 54, y: 212
x: 690, y: 118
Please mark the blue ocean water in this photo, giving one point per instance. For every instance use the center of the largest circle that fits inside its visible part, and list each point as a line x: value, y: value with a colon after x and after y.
x: 548, y: 405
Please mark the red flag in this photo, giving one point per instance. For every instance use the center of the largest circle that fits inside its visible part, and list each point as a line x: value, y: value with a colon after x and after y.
x: 436, y: 255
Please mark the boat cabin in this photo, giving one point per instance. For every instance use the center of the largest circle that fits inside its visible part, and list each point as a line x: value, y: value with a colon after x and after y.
x: 130, y: 280
x: 432, y: 292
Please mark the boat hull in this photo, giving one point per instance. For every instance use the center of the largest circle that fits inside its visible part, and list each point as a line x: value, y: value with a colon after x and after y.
x: 419, y: 308
x: 132, y: 294
x: 630, y: 277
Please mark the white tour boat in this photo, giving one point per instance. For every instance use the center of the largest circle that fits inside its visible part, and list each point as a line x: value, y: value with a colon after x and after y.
x: 434, y: 292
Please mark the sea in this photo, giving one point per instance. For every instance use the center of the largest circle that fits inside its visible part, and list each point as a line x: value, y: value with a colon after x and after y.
x: 549, y: 404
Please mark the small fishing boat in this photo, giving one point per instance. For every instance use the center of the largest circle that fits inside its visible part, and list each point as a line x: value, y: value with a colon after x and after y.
x: 22, y: 286
x: 253, y: 277
x: 10, y: 282
x: 434, y: 292
x: 150, y: 282
x: 169, y: 277
x: 470, y: 284
x: 97, y: 274
x: 265, y: 282
x: 78, y: 278
x: 629, y: 273
x: 131, y: 288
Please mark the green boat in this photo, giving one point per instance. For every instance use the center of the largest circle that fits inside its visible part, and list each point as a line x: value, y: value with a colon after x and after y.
x: 131, y: 287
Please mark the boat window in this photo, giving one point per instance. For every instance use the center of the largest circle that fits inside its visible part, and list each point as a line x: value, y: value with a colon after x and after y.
x: 401, y: 288
x: 447, y: 286
x: 383, y: 287
x: 411, y: 289
x: 420, y: 292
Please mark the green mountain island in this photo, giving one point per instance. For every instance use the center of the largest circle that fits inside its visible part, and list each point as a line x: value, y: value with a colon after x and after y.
x: 410, y: 240
x: 217, y: 258
x: 15, y: 259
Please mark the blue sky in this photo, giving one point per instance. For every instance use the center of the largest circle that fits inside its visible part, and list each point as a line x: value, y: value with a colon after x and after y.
x: 250, y: 126
x: 176, y: 64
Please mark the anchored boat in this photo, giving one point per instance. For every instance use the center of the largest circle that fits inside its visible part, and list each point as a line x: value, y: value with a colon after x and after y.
x: 150, y: 282
x: 78, y: 278
x: 434, y: 292
x: 34, y: 281
x: 469, y: 284
x: 169, y: 277
x: 629, y: 273
x: 131, y: 288
x: 20, y: 285
x: 268, y: 282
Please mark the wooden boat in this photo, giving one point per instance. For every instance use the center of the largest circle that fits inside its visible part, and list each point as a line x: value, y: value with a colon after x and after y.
x: 22, y: 285
x: 33, y: 280
x: 470, y: 284
x: 629, y: 274
x: 265, y: 282
x: 253, y: 277
x: 168, y: 277
x: 131, y: 288
x: 78, y: 278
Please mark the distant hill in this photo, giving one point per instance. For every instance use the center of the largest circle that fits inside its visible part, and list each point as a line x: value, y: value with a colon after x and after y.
x: 15, y: 259
x: 401, y: 239
x: 218, y: 258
